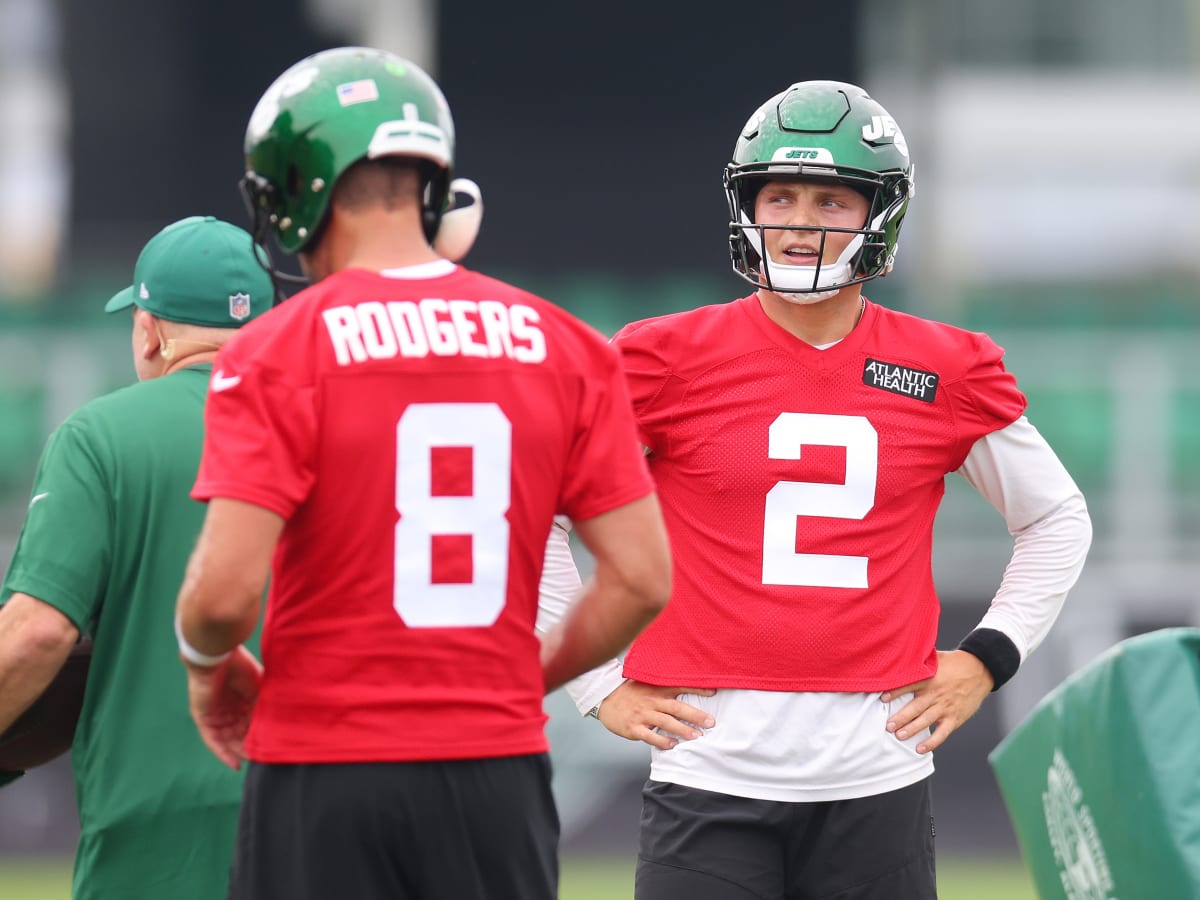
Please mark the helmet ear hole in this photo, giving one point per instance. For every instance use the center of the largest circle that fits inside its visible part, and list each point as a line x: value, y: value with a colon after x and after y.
x: 436, y: 197
x: 749, y: 195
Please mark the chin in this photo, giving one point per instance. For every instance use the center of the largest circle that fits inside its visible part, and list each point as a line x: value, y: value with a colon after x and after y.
x: 808, y: 298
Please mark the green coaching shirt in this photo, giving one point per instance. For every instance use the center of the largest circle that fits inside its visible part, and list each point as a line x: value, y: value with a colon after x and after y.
x: 106, y: 541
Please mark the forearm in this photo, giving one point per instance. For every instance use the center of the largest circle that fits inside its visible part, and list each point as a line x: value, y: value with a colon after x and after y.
x: 629, y: 588
x: 560, y: 584
x: 35, y: 640
x: 213, y: 620
x: 1019, y: 474
x: 221, y: 598
x: 1046, y: 561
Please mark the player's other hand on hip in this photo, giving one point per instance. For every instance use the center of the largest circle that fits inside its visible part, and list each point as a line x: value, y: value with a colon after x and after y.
x: 654, y: 714
x: 222, y: 701
x: 942, y: 702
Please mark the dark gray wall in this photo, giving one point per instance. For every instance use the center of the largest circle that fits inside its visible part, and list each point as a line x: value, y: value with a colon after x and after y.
x: 598, y: 132
x: 160, y: 94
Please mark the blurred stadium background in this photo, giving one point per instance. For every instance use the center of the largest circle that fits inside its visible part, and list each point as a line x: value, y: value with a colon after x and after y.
x: 1058, y: 207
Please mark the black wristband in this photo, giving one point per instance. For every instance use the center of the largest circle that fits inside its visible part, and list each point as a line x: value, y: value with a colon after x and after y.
x: 996, y: 651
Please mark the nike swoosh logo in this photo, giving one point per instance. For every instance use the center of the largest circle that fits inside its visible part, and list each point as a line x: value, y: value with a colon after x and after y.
x: 222, y: 382
x: 37, y: 497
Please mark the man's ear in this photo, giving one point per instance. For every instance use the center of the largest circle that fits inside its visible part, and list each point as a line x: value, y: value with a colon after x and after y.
x: 147, y: 330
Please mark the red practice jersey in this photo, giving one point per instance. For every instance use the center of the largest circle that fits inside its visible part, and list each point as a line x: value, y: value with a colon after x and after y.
x: 418, y: 437
x: 799, y: 488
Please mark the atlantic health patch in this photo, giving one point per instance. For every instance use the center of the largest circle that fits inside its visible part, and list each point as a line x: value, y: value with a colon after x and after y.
x: 900, y: 380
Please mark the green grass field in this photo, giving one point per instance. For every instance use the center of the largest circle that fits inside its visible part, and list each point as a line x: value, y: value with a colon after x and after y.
x: 587, y: 879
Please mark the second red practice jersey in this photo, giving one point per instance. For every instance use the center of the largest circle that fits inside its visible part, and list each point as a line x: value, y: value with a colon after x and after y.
x: 417, y: 436
x: 800, y: 487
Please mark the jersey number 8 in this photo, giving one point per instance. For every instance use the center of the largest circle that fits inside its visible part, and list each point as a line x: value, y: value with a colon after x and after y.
x: 484, y: 428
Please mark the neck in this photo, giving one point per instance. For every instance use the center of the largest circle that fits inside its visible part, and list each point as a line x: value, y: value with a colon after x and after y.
x: 817, y: 323
x: 373, y: 239
x: 190, y: 359
x: 180, y: 352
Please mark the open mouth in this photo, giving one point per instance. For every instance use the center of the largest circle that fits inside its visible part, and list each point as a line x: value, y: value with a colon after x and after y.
x: 801, y: 256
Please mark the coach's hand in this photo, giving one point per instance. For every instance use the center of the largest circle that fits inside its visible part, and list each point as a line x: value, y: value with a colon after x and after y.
x: 222, y: 700
x: 635, y: 710
x: 942, y: 702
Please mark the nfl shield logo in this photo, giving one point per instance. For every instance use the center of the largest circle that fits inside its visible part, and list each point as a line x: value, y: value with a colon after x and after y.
x: 239, y: 306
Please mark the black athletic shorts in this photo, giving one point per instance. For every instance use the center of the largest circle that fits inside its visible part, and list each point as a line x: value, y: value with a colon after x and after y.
x: 701, y: 845
x: 480, y: 829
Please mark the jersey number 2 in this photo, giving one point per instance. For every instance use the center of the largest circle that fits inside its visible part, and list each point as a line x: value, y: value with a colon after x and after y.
x: 485, y: 429
x: 789, y: 499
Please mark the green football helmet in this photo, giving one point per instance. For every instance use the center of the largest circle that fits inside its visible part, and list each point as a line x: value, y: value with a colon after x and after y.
x: 329, y: 111
x: 825, y: 130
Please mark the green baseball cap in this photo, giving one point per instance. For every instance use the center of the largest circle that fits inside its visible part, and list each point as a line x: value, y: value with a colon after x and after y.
x: 200, y: 271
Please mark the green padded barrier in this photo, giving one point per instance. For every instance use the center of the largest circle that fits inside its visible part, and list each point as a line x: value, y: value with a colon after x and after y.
x: 1102, y: 780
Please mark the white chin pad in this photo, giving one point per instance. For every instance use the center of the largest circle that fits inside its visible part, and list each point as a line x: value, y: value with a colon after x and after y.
x: 460, y: 225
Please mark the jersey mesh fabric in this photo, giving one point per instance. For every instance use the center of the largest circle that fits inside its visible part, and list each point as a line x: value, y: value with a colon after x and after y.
x: 775, y: 462
x: 407, y: 483
x: 107, y: 544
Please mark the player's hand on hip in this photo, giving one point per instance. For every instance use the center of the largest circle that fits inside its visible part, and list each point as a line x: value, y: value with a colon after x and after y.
x: 942, y: 702
x: 222, y: 701
x: 654, y: 714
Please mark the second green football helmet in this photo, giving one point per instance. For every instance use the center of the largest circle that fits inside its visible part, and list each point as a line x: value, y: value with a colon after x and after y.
x: 327, y: 112
x: 826, y: 130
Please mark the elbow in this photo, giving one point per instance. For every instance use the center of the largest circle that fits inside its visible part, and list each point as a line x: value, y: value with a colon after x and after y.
x: 659, y: 592
x: 51, y: 636
x: 643, y: 589
x: 45, y: 633
x: 650, y: 588
x: 1082, y: 520
x: 649, y: 581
